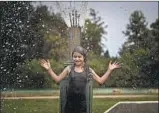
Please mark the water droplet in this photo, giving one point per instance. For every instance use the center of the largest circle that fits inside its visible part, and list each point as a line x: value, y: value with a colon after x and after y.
x: 19, y: 8
x: 2, y: 67
x: 10, y: 30
x: 20, y: 21
x: 22, y: 55
x: 4, y: 89
x: 43, y: 25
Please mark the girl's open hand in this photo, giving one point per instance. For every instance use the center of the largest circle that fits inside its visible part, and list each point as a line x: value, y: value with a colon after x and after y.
x: 114, y: 65
x: 45, y: 64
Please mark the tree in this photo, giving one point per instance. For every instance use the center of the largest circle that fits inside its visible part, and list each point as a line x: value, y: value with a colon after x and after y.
x: 106, y: 54
x: 16, y: 37
x: 54, y: 32
x: 136, y: 32
x: 152, y: 62
x: 25, y: 35
x: 92, y: 33
x: 139, y: 47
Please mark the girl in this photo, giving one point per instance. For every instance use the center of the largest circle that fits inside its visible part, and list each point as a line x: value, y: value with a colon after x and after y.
x: 78, y: 74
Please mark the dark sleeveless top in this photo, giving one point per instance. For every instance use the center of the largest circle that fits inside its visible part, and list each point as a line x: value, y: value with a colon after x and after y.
x: 77, y: 82
x: 76, y: 94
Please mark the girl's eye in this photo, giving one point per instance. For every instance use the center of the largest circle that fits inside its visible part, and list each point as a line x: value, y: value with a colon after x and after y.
x: 77, y: 56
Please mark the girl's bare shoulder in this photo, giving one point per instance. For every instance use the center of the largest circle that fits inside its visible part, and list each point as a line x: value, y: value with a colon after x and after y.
x: 68, y: 68
x: 91, y: 70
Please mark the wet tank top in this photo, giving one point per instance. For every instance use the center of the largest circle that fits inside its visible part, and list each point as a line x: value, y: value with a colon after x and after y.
x: 77, y: 83
x: 78, y: 92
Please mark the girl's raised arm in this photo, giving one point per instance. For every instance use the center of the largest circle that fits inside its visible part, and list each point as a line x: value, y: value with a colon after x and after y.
x: 103, y: 78
x: 46, y: 64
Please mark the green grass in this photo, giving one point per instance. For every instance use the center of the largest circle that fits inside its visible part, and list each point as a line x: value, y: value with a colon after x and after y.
x: 52, y: 105
x: 96, y: 91
x: 23, y: 93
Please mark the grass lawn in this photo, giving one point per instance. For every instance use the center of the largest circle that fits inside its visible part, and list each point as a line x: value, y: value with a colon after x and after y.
x: 52, y: 105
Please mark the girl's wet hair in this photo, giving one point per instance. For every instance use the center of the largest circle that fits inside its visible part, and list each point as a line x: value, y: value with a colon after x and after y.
x: 82, y: 51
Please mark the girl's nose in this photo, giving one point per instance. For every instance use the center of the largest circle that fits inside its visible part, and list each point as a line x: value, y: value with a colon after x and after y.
x: 77, y: 58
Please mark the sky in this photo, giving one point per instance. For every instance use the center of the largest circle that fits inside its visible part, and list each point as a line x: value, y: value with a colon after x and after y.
x: 115, y: 14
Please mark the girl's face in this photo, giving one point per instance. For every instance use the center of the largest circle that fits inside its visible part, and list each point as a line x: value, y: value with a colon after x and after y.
x: 78, y: 59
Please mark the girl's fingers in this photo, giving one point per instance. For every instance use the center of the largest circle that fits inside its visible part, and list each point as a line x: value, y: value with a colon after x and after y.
x: 42, y: 61
x: 117, y: 63
x: 48, y: 61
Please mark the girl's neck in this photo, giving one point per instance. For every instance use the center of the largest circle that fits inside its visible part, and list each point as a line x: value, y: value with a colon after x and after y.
x: 79, y: 68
